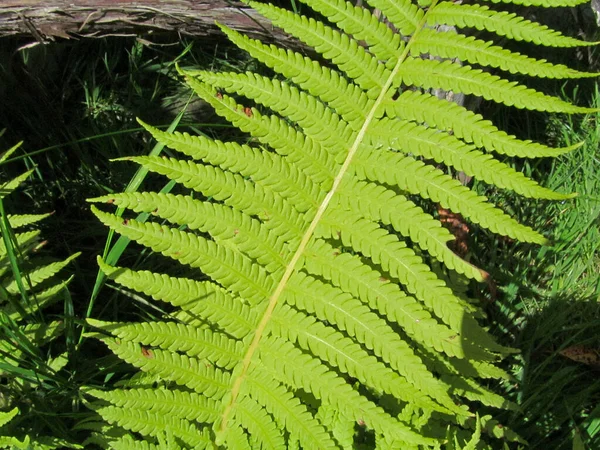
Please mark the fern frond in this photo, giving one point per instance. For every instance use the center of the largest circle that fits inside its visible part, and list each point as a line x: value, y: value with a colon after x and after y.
x: 447, y: 116
x: 267, y: 169
x: 196, y: 299
x: 43, y: 299
x: 451, y: 76
x: 13, y: 443
x: 418, y: 178
x: 198, y: 375
x: 237, y: 438
x: 317, y: 121
x: 229, y: 227
x: 341, y: 427
x: 153, y: 424
x: 301, y: 370
x: 377, y: 203
x: 363, y: 26
x: 259, y: 423
x: 405, y: 15
x: 447, y: 44
x: 8, y: 153
x: 21, y: 220
x: 232, y: 269
x: 186, y: 405
x: 402, y: 263
x: 24, y: 241
x: 543, y: 3
x: 350, y: 57
x: 127, y: 442
x: 7, y: 416
x: 41, y: 334
x: 286, y: 409
x: 326, y: 304
x: 8, y: 187
x: 351, y: 275
x: 347, y: 99
x: 341, y: 352
x: 444, y: 148
x: 40, y: 274
x: 195, y: 342
x: 310, y: 155
x: 502, y: 23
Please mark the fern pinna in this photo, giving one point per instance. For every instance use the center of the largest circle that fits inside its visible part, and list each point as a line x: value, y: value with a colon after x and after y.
x: 322, y: 323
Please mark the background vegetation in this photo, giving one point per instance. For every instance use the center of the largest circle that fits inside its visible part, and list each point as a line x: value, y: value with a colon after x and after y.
x: 74, y: 104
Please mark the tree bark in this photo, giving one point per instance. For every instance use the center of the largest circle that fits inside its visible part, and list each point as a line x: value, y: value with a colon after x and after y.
x: 48, y: 20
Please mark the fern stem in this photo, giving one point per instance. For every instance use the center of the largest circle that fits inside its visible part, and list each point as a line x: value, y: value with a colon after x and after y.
x: 290, y: 268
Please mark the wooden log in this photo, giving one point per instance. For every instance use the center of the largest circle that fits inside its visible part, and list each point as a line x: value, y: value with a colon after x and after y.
x: 48, y: 20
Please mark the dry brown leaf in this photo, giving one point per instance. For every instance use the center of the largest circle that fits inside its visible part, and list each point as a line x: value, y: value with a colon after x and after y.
x: 457, y: 226
x: 582, y: 354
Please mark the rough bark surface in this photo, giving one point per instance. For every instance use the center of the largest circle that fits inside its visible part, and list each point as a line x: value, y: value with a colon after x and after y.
x: 46, y: 20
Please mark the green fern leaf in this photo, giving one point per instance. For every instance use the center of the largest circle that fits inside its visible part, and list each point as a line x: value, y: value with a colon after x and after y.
x: 286, y: 409
x: 227, y: 226
x: 148, y: 423
x: 240, y: 273
x: 259, y: 423
x: 129, y: 443
x: 167, y: 402
x: 310, y: 155
x: 363, y: 26
x: 42, y: 300
x: 8, y: 187
x: 341, y: 427
x: 417, y: 178
x: 377, y: 203
x: 21, y: 220
x: 451, y: 45
x: 216, y: 305
x: 342, y: 51
x: 8, y: 153
x: 332, y: 346
x: 248, y: 162
x: 6, y: 417
x: 446, y: 149
x: 198, y: 375
x: 314, y: 377
x: 347, y: 99
x: 448, y: 116
x: 545, y: 3
x: 40, y: 274
x: 503, y: 23
x: 14, y: 443
x: 450, y: 76
x: 348, y: 273
x: 195, y: 342
x: 405, y: 16
x: 325, y: 305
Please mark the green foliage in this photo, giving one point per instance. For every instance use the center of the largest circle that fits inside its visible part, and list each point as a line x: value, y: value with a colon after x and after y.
x: 28, y: 284
x: 10, y: 441
x: 320, y: 320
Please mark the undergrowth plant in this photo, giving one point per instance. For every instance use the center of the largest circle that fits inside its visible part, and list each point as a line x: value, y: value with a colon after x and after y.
x: 29, y: 371
x: 320, y: 317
